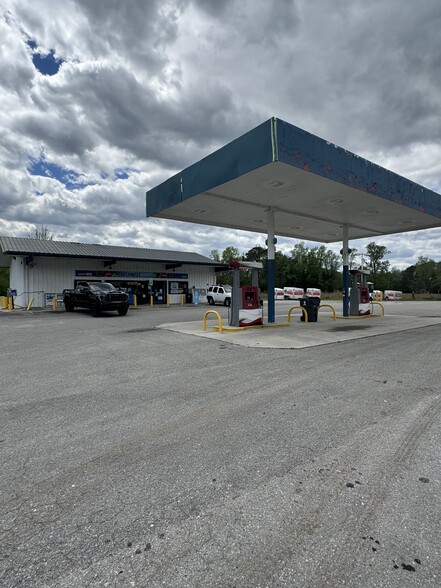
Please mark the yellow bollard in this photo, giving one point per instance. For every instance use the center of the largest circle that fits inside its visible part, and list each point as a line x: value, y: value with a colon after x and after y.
x: 204, y: 320
x: 135, y: 300
x: 30, y: 303
x: 329, y: 306
x: 168, y: 300
x: 151, y: 300
x: 54, y: 302
x: 182, y: 300
x: 10, y: 303
x: 302, y: 308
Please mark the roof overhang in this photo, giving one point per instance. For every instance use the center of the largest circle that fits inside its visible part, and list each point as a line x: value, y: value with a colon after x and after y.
x: 107, y: 254
x: 314, y: 187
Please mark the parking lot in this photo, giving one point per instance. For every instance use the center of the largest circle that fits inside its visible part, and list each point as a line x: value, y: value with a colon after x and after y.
x: 140, y: 451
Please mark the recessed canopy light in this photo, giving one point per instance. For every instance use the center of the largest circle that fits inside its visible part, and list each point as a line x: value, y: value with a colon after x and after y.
x: 331, y: 234
x: 258, y: 220
x: 276, y: 184
x: 406, y: 222
x: 200, y: 210
x: 371, y: 212
x: 336, y: 201
x: 294, y: 228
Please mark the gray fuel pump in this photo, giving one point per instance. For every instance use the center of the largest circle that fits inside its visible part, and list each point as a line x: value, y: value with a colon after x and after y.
x: 359, y: 303
x: 245, y: 300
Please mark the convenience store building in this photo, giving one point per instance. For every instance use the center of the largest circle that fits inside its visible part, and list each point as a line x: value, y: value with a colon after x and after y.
x: 41, y: 270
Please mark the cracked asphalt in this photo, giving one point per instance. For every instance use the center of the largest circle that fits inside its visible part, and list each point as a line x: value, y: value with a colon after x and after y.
x: 138, y: 456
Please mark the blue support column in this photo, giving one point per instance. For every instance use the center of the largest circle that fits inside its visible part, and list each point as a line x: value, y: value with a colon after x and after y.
x: 271, y: 301
x: 345, y: 271
x: 271, y: 268
x: 345, y: 290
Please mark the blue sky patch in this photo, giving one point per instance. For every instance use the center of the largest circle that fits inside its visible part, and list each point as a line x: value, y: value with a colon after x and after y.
x: 122, y: 173
x: 46, y: 63
x: 68, y: 177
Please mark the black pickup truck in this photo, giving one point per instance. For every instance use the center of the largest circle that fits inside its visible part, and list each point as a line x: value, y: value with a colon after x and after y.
x: 96, y: 296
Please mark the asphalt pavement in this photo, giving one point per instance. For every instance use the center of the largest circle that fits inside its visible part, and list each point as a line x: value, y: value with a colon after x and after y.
x: 142, y: 451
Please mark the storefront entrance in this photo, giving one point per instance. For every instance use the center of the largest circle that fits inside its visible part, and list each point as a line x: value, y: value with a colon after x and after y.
x: 159, y: 292
x: 154, y: 291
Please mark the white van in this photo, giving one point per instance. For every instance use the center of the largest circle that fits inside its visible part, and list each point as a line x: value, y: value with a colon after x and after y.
x: 279, y: 294
x: 313, y: 292
x: 392, y: 295
x: 293, y: 293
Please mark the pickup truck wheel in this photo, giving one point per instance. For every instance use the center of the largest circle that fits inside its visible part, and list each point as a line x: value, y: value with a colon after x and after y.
x: 210, y: 300
x: 122, y: 311
x: 94, y: 309
x: 227, y: 302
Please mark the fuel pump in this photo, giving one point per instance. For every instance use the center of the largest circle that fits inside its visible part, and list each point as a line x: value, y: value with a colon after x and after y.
x: 359, y: 303
x: 245, y: 300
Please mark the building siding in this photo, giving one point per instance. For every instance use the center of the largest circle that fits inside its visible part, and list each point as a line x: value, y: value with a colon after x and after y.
x: 51, y: 275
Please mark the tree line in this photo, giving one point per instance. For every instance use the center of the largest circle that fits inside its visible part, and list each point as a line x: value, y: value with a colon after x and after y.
x: 320, y: 267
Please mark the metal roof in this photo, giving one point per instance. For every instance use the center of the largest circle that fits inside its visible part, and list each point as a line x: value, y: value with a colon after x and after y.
x: 37, y: 247
x: 313, y: 186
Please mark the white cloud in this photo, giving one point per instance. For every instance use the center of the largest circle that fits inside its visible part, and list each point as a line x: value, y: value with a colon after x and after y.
x: 152, y: 87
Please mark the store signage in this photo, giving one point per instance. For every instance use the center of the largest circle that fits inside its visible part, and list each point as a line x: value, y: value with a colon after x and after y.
x: 129, y: 275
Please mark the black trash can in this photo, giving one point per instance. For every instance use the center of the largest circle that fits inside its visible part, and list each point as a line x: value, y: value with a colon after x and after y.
x: 311, y: 305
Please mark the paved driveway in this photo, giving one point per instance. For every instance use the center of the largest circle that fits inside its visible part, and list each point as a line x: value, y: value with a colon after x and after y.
x: 138, y: 456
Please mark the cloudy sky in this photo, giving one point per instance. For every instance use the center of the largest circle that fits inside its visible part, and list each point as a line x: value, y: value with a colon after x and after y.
x: 102, y: 100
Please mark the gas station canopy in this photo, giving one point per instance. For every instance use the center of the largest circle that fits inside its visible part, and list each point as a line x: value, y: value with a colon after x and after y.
x: 313, y: 187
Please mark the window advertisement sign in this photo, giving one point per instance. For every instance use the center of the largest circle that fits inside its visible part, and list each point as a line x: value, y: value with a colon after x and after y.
x: 49, y: 299
x: 177, y: 287
x: 124, y: 274
x: 202, y: 295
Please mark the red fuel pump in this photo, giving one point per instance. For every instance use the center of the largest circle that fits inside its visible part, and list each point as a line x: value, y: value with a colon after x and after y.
x: 250, y: 297
x: 245, y: 301
x: 359, y: 303
x: 250, y: 313
x: 364, y: 295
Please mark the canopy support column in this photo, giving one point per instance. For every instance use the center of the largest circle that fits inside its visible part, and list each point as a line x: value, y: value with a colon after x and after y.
x: 345, y: 271
x: 271, y: 267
